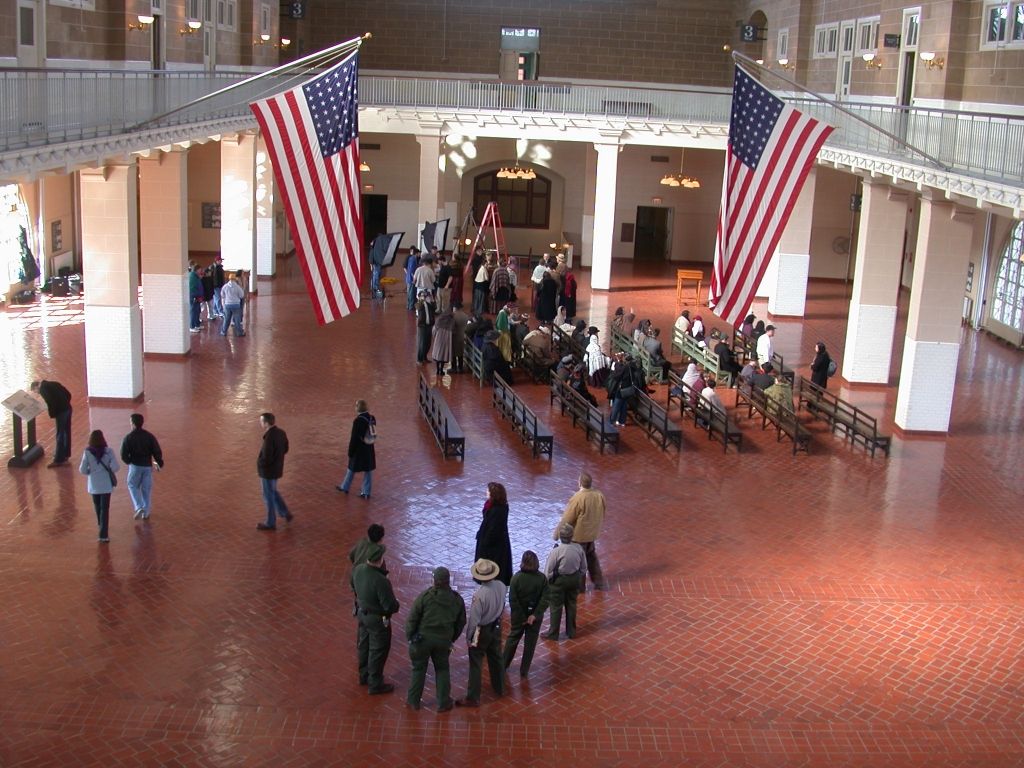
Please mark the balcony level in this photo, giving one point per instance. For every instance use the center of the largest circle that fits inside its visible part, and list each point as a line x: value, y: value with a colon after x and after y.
x: 63, y: 120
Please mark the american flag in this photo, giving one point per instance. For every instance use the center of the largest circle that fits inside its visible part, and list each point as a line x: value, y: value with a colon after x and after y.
x: 771, y: 149
x: 312, y: 134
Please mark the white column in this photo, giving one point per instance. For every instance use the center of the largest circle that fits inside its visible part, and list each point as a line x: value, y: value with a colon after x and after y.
x: 238, y: 204
x: 163, y: 234
x: 110, y: 257
x: 932, y: 346
x: 604, y: 215
x: 430, y: 200
x: 787, y: 295
x: 266, y: 245
x: 589, y: 198
x: 876, y: 284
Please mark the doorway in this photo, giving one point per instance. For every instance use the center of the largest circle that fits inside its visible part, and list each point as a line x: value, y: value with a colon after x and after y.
x: 651, y: 242
x: 375, y: 217
x: 844, y: 72
x: 30, y: 32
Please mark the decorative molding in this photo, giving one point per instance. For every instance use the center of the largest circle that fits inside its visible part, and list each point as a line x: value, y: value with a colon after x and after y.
x: 982, y: 191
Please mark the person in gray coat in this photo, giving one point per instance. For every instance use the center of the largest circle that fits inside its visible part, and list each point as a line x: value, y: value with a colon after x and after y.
x: 99, y: 465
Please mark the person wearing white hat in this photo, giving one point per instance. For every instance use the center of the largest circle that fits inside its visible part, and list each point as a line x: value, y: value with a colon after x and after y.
x: 483, y: 632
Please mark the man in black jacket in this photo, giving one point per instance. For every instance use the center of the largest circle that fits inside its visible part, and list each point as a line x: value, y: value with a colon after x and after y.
x: 140, y: 451
x: 270, y: 466
x: 58, y: 405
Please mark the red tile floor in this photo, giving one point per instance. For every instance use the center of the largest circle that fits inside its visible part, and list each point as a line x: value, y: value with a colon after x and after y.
x: 765, y: 609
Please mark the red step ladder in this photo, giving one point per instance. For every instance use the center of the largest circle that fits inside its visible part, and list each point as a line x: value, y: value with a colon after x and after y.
x: 492, y: 220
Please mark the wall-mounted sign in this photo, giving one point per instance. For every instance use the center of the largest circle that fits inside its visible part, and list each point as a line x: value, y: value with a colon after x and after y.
x: 890, y: 41
x: 521, y: 39
x: 750, y: 34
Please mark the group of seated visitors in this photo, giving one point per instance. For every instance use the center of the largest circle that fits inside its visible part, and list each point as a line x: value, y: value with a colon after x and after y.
x: 775, y: 387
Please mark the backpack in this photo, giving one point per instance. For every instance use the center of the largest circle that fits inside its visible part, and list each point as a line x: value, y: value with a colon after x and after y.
x: 371, y: 432
x: 832, y: 367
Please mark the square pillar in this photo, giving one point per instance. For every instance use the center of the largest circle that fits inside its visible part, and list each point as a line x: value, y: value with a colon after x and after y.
x: 932, y: 346
x: 266, y: 245
x: 787, y: 276
x: 163, y: 234
x: 876, y: 284
x: 238, y: 204
x: 604, y: 215
x: 589, y: 199
x: 110, y: 257
x: 431, y: 196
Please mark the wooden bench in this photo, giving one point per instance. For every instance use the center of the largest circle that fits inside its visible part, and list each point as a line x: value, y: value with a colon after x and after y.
x: 743, y: 347
x: 717, y: 423
x: 656, y: 422
x: 707, y: 358
x: 564, y: 344
x: 682, y: 275
x: 593, y: 420
x: 680, y: 392
x: 856, y: 424
x: 446, y: 430
x: 525, y: 422
x: 623, y: 343
x: 783, y: 419
x: 474, y: 358
x: 538, y: 368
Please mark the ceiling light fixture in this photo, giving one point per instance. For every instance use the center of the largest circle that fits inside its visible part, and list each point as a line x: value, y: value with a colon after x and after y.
x: 517, y: 172
x: 680, y: 179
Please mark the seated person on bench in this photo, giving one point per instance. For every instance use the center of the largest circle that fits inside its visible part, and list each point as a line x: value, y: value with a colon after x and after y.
x: 652, y: 346
x: 578, y: 381
x: 565, y: 367
x: 493, y: 361
x: 539, y: 343
x: 709, y: 394
x: 749, y: 369
x: 780, y: 392
x: 765, y: 379
x: 726, y: 357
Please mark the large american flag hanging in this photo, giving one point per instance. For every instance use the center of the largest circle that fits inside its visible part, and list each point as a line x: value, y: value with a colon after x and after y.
x: 771, y: 149
x: 312, y: 134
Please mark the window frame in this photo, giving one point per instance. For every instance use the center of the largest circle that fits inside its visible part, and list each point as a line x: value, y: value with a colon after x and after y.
x: 81, y: 5
x: 526, y: 192
x: 1011, y: 35
x: 1007, y: 305
x: 782, y: 44
x: 869, y: 24
x: 227, y: 15
x: 826, y: 41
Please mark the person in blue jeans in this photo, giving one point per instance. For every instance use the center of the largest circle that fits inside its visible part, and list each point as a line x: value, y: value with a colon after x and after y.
x: 270, y: 466
x: 232, y: 295
x: 58, y: 405
x: 140, y: 452
x: 411, y: 263
x: 361, y: 454
x: 195, y: 297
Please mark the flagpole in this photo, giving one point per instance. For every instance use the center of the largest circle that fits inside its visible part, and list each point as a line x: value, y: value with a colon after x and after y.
x: 317, y: 56
x: 739, y: 57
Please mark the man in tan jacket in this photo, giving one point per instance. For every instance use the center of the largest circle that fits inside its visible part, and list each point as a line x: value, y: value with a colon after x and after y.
x: 585, y: 513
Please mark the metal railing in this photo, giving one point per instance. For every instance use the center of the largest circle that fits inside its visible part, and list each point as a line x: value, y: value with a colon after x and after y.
x: 39, y: 107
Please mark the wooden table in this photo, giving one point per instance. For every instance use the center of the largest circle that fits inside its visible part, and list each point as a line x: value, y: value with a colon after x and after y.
x: 688, y: 274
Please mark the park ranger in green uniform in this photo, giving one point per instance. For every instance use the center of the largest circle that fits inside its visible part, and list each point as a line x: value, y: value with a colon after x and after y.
x: 376, y: 602
x: 436, y: 621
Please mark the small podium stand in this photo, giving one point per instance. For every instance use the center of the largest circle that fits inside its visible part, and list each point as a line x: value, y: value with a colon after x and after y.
x: 24, y: 407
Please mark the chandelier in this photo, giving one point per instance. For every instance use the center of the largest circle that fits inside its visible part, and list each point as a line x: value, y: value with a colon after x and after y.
x: 516, y: 172
x: 680, y: 179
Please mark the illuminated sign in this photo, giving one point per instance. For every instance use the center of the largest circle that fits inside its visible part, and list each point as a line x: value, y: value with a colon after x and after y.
x: 522, y: 39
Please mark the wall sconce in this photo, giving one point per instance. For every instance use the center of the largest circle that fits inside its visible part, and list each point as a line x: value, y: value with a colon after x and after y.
x: 285, y: 42
x: 144, y: 22
x: 871, y: 61
x: 364, y: 166
x: 193, y: 27
x: 787, y: 64
x: 264, y: 39
x: 759, y: 62
x: 933, y: 61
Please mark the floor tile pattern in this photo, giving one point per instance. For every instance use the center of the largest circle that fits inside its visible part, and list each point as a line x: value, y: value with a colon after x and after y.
x: 765, y: 610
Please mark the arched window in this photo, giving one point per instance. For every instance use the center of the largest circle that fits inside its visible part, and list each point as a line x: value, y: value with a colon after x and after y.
x: 1008, y: 298
x: 521, y: 203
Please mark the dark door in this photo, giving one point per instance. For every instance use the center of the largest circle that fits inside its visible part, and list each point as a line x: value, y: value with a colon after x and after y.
x: 652, y: 233
x: 375, y: 217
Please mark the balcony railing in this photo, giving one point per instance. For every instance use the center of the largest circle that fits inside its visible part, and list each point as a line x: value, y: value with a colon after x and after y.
x: 40, y: 107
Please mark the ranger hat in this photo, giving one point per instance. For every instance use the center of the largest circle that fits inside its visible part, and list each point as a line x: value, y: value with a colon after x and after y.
x: 484, y: 570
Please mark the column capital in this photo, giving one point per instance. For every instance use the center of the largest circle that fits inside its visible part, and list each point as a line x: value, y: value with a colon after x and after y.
x: 603, y: 148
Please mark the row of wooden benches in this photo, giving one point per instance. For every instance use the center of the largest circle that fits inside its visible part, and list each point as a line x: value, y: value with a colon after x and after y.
x: 443, y: 425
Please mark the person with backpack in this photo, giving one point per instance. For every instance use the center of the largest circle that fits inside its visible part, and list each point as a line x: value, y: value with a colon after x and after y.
x: 822, y: 367
x: 361, y: 454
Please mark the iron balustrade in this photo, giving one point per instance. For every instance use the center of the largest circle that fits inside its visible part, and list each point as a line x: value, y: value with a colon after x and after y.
x: 49, y: 106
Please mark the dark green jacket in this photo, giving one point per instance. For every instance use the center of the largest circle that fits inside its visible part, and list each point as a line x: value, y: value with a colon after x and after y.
x: 373, y: 590
x: 437, y: 613
x: 528, y: 595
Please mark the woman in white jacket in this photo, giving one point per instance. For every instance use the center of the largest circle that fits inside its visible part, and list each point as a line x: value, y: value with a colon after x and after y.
x: 99, y: 465
x: 597, y: 361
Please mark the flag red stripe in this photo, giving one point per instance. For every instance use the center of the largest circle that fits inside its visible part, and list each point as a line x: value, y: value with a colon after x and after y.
x: 312, y: 223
